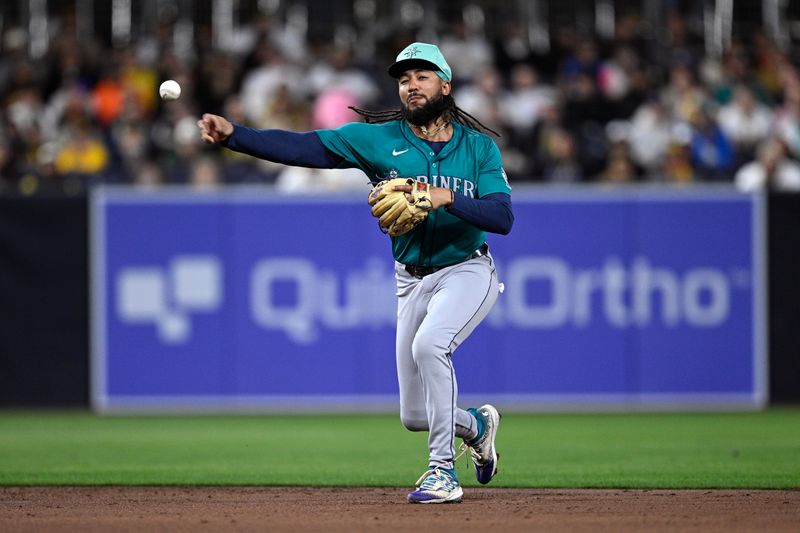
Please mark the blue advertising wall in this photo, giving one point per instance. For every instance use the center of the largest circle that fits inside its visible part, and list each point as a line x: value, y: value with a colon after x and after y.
x: 240, y: 299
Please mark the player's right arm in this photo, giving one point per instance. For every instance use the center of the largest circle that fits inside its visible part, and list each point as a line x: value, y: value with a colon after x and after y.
x: 280, y: 146
x: 214, y: 129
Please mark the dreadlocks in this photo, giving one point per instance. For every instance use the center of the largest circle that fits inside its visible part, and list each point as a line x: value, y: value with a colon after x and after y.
x: 452, y: 113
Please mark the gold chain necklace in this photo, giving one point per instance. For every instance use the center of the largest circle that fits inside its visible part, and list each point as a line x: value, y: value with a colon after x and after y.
x: 431, y: 133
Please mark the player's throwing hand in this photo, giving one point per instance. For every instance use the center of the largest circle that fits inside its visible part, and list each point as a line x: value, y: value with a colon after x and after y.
x: 214, y: 129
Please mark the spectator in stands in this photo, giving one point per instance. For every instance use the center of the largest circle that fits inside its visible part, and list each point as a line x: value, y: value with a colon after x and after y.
x: 585, y: 59
x: 548, y: 125
x: 82, y: 153
x: 483, y: 98
x: 676, y: 43
x: 337, y: 73
x: 585, y: 113
x: 772, y: 170
x: 787, y: 116
x: 577, y: 84
x: 651, y: 133
x: 512, y: 47
x: 711, y: 149
x: 204, y: 173
x: 467, y: 51
x: 108, y: 95
x: 619, y: 167
x: 148, y: 175
x: 262, y: 85
x: 140, y: 81
x: 129, y: 137
x: 768, y: 62
x: 561, y: 163
x: 737, y: 72
x: 24, y: 113
x: 682, y: 96
x: 217, y: 80
x: 746, y: 122
x: 521, y: 107
x: 621, y: 82
x: 677, y: 165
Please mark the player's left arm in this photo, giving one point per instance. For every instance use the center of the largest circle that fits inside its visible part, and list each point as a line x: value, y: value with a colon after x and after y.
x: 491, y: 209
x: 492, y: 213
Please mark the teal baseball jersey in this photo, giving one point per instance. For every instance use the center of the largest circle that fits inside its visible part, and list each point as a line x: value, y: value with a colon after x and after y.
x: 469, y: 164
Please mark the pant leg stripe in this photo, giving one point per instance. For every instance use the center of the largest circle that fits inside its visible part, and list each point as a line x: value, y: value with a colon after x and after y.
x: 485, y: 296
x: 452, y: 411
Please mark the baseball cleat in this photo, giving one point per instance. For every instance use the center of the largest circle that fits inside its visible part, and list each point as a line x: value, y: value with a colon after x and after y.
x: 482, y: 449
x: 437, y: 485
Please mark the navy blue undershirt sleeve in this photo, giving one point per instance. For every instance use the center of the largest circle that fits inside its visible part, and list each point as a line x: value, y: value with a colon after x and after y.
x: 491, y: 213
x: 299, y: 149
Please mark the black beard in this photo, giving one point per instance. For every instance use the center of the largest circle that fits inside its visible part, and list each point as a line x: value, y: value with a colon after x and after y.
x: 427, y: 113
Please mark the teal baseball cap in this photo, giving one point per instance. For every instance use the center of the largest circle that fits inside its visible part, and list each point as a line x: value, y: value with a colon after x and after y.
x: 421, y: 55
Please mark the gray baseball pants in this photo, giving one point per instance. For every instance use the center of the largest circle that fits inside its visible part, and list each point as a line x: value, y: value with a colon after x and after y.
x: 435, y: 315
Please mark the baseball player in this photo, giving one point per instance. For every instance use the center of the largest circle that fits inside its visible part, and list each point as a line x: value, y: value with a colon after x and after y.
x: 446, y: 278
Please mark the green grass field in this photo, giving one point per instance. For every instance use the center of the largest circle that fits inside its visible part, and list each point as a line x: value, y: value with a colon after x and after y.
x: 697, y: 450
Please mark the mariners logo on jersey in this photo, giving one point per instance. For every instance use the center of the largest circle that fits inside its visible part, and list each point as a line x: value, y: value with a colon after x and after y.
x: 469, y: 164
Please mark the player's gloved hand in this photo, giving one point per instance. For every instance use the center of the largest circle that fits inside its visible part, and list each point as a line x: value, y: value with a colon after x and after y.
x: 440, y: 197
x: 400, y: 204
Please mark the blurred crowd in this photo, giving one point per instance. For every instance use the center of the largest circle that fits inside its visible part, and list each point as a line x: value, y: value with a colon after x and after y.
x: 618, y: 110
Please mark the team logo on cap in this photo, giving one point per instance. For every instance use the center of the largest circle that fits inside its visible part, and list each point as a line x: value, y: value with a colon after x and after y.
x: 411, y: 52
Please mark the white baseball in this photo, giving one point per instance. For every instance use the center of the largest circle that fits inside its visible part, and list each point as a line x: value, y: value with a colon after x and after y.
x: 169, y: 90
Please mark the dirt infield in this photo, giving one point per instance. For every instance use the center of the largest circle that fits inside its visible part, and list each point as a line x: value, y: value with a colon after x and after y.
x: 137, y: 509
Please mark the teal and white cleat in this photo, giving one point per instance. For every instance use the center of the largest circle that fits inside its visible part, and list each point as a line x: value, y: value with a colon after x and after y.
x: 482, y: 448
x: 437, y: 485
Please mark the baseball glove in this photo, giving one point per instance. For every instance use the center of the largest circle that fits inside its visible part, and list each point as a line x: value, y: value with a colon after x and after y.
x: 399, y: 212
